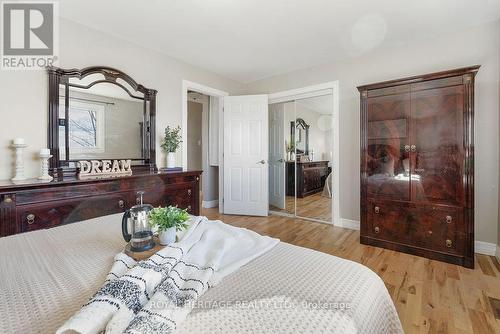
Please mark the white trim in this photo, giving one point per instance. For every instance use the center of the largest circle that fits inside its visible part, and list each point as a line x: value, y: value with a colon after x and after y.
x: 318, y: 90
x: 348, y: 223
x: 189, y: 85
x: 497, y: 254
x: 309, y: 91
x: 210, y: 204
x: 486, y: 248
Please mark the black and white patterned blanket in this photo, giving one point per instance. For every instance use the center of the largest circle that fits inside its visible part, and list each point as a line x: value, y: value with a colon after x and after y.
x: 157, y: 294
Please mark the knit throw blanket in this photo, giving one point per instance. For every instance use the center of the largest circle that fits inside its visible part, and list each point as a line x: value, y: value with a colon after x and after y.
x: 156, y: 295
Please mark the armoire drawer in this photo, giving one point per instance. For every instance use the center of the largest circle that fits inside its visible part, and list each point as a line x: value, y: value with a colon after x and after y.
x: 53, y: 213
x: 440, y: 229
x: 390, y: 221
x: 430, y: 227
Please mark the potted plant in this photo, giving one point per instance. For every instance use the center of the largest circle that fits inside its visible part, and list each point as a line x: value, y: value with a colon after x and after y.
x: 171, y: 143
x: 168, y: 220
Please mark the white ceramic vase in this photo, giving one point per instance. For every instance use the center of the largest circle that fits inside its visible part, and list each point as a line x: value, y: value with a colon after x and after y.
x: 167, y: 237
x: 170, y: 159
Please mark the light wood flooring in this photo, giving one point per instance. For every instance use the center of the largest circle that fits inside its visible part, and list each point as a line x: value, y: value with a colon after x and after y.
x: 430, y: 296
x: 313, y: 206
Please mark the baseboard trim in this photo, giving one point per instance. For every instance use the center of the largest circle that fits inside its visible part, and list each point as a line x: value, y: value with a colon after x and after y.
x: 481, y: 247
x: 485, y: 248
x: 210, y: 204
x: 348, y: 223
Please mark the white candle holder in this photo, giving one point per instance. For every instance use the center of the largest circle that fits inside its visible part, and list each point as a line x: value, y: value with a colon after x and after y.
x: 19, y: 162
x: 44, y: 159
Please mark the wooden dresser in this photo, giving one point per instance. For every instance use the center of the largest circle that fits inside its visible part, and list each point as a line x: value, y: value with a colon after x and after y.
x: 311, y: 177
x: 417, y: 165
x: 34, y: 205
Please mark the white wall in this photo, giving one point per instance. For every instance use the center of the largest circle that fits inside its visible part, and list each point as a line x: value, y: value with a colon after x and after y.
x: 23, y: 94
x: 477, y: 45
x: 319, y: 139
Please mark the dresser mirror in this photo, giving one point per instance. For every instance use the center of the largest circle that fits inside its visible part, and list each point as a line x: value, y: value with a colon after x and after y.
x: 99, y: 113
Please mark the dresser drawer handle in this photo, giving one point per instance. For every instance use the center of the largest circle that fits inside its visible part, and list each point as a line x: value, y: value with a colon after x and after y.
x: 121, y: 203
x: 8, y: 199
x: 377, y: 209
x: 377, y: 229
x: 189, y: 192
x: 448, y: 243
x: 189, y: 207
x: 30, y: 218
x: 448, y: 219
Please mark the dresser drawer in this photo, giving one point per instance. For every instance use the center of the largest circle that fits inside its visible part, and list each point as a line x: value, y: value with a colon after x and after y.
x: 53, y: 213
x: 182, y: 195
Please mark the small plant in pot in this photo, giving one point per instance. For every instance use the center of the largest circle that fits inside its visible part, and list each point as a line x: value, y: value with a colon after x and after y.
x: 168, y: 220
x: 171, y: 143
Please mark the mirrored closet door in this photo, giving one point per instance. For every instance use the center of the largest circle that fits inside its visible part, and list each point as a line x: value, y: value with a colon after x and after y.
x: 300, y: 157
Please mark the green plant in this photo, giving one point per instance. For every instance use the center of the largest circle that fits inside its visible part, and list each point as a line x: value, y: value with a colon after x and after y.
x: 172, y: 139
x: 170, y: 216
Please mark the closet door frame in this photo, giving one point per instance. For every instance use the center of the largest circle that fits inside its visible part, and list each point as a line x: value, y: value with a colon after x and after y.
x: 312, y: 91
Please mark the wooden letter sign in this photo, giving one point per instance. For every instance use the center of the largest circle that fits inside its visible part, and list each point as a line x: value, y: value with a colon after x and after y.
x: 98, y: 169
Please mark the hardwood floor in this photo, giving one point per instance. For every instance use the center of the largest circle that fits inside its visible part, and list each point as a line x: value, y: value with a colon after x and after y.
x: 313, y: 206
x: 430, y: 296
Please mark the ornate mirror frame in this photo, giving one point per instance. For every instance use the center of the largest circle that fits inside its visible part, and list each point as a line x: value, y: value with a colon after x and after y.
x: 300, y: 123
x: 61, y: 169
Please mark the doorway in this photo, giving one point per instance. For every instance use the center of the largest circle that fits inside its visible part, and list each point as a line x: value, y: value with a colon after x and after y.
x: 303, y: 153
x: 201, y: 146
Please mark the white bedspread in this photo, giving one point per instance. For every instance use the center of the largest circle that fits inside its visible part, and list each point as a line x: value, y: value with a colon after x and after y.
x: 46, y: 276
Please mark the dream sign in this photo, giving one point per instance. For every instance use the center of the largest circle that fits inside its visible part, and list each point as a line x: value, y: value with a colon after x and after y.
x: 97, y: 169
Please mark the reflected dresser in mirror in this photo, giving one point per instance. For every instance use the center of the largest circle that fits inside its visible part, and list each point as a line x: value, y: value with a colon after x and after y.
x: 417, y: 165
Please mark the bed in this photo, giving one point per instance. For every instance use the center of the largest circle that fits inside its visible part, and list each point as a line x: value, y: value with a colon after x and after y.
x: 47, y: 275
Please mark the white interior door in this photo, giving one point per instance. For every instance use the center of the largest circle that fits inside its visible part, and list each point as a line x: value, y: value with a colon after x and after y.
x: 277, y: 155
x: 246, y: 173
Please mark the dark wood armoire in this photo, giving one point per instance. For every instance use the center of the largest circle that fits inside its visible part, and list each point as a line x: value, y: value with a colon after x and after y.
x: 417, y: 165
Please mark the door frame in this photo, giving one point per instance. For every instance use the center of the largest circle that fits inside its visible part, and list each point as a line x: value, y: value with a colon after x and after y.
x: 311, y: 91
x: 206, y: 90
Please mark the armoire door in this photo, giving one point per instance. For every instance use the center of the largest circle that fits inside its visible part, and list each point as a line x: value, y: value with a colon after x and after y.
x: 437, y: 145
x: 388, y: 145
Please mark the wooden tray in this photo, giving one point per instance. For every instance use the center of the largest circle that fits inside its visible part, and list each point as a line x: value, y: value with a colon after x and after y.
x: 139, y: 256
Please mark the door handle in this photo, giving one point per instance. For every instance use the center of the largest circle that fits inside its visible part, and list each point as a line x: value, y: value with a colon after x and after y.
x: 407, y: 148
x: 262, y: 162
x: 281, y: 160
x: 414, y: 148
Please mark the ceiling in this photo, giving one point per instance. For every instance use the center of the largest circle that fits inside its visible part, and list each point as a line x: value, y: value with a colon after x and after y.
x: 248, y: 40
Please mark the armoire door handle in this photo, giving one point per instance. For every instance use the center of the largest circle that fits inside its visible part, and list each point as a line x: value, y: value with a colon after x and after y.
x: 413, y: 148
x: 407, y: 148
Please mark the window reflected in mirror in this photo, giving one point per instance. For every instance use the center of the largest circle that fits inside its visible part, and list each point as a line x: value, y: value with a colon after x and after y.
x: 102, y: 122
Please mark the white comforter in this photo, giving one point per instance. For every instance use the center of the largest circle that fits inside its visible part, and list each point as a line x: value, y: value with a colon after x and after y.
x: 156, y: 295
